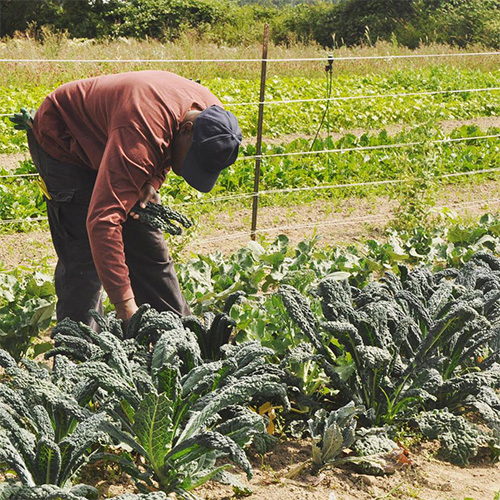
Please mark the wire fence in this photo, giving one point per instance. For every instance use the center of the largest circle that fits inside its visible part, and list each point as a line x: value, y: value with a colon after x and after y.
x: 350, y: 185
x: 254, y: 194
x: 370, y: 148
x: 347, y: 98
x: 255, y: 60
x: 337, y: 150
x: 365, y: 97
x: 344, y: 221
x: 14, y: 176
x: 29, y: 220
x: 241, y: 196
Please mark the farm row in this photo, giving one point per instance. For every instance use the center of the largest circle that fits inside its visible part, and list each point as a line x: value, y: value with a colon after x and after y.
x: 207, y: 280
x: 304, y: 333
x: 420, y: 166
x: 305, y: 117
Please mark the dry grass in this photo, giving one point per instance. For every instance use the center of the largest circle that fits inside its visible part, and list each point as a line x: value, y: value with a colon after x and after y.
x: 59, y: 46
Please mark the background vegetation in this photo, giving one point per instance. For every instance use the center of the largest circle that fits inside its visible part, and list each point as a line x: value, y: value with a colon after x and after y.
x: 311, y: 327
x: 330, y: 24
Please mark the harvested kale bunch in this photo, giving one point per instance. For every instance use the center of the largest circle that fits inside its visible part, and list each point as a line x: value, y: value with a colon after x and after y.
x: 24, y: 119
x: 161, y: 217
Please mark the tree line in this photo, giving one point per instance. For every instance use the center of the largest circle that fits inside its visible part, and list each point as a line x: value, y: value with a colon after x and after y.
x: 331, y: 23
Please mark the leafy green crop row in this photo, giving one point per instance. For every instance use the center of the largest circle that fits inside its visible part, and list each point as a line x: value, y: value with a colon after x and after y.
x: 422, y: 164
x: 420, y: 341
x: 142, y: 391
x: 417, y: 348
x: 304, y: 117
x: 207, y: 280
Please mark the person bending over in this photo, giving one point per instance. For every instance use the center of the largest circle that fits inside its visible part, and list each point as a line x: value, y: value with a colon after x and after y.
x: 103, y: 144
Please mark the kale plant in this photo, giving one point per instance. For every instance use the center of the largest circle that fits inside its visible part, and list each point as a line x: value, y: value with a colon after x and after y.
x: 187, y: 423
x: 161, y: 217
x: 178, y: 412
x: 212, y: 332
x: 460, y: 439
x: 46, y: 433
x: 419, y: 341
x: 332, y: 433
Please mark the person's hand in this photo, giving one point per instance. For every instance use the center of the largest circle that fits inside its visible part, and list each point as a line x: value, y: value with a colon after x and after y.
x: 148, y: 194
x: 125, y: 310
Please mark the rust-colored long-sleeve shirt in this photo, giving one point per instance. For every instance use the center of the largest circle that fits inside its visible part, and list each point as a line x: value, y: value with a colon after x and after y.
x: 122, y: 126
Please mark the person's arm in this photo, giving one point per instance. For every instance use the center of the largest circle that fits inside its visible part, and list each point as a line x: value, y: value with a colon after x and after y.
x: 159, y: 179
x: 128, y: 164
x: 148, y: 194
x: 126, y: 309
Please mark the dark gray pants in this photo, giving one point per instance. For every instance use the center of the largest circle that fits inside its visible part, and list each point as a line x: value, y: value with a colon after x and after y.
x: 78, y: 287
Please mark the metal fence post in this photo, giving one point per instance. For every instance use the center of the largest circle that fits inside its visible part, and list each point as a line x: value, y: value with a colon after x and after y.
x: 258, y: 147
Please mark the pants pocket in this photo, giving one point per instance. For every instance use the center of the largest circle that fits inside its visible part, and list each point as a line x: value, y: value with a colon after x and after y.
x: 65, y: 182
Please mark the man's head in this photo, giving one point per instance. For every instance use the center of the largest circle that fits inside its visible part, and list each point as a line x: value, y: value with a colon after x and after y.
x: 207, y: 142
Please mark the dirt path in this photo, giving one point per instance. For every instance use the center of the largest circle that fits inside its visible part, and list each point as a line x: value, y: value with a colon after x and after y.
x: 339, y: 222
x: 11, y: 161
x: 425, y: 478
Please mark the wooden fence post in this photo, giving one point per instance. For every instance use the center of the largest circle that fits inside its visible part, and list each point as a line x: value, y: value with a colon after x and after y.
x: 258, y: 147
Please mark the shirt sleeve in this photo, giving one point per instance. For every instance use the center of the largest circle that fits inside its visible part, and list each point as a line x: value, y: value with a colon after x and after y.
x: 157, y: 180
x: 128, y: 163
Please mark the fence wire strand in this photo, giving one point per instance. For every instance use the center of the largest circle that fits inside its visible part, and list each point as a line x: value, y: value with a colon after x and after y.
x: 333, y: 222
x: 342, y: 150
x: 369, y: 148
x: 7, y: 176
x: 325, y: 58
x: 350, y: 98
x: 367, y: 97
x: 20, y: 221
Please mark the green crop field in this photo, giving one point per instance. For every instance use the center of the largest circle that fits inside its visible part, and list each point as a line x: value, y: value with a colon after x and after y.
x: 378, y: 361
x: 289, y: 127
x: 304, y: 117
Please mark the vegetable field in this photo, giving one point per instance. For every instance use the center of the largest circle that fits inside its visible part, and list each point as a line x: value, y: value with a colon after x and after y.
x: 315, y: 364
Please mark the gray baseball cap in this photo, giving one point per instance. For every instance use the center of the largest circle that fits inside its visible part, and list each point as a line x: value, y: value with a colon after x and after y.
x: 216, y: 141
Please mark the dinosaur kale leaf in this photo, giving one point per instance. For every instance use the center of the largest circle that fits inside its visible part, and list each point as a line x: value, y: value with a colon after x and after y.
x: 14, y: 491
x: 373, y: 441
x: 460, y: 440
x: 160, y: 217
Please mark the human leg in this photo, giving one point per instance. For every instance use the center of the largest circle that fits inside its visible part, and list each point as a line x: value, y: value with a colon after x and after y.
x: 78, y: 287
x: 151, y: 267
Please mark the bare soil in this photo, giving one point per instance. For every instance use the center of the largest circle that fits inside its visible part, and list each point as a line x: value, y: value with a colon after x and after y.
x: 338, y: 222
x: 424, y: 477
x: 11, y: 161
